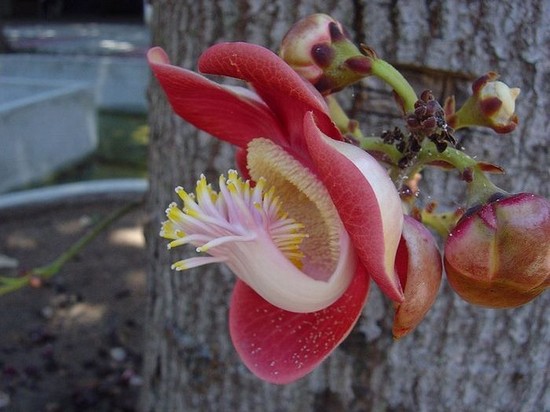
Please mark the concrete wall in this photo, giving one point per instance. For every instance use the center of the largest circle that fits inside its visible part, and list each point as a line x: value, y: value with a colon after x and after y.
x: 44, y: 125
x: 118, y: 83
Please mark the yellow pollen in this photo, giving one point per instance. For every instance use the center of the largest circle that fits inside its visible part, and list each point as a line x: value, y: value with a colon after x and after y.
x: 211, y: 219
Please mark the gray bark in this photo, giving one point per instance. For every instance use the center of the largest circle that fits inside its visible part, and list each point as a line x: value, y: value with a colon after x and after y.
x: 461, y: 357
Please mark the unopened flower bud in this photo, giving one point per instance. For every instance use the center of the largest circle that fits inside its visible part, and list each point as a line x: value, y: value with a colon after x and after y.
x: 498, y: 255
x: 491, y: 105
x: 418, y: 265
x: 318, y: 49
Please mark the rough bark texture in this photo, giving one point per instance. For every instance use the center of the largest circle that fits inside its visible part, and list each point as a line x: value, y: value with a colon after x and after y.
x: 461, y: 358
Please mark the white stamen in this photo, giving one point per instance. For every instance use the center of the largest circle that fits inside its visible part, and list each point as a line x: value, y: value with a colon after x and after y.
x: 211, y: 220
x: 196, y: 262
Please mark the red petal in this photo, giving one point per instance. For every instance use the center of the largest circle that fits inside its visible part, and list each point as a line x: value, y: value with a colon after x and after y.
x: 280, y: 346
x: 224, y: 113
x: 419, y: 266
x: 285, y: 92
x: 240, y: 161
x: 375, y: 232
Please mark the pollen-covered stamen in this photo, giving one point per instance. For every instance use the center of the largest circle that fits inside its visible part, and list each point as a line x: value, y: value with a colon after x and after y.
x: 214, y: 222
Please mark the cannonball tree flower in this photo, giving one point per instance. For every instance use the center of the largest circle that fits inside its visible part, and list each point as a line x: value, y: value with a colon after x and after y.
x: 498, y: 255
x: 316, y: 221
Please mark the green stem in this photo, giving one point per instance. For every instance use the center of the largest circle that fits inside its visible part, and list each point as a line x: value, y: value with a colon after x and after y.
x: 390, y: 75
x: 441, y: 223
x: 480, y: 188
x: 370, y: 144
x: 8, y: 285
x: 375, y: 144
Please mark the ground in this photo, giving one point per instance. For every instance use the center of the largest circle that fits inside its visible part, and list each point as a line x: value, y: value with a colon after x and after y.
x: 75, y: 343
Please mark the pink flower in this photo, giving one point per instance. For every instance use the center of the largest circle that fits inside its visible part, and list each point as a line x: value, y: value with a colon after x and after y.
x: 319, y: 218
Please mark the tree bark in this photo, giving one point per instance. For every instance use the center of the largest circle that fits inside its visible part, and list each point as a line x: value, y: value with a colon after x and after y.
x: 462, y: 357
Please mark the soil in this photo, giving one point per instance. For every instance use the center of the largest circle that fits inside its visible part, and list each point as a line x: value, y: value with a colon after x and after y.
x: 73, y: 343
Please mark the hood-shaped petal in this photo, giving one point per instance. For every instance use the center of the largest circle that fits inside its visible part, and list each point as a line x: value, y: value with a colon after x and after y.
x: 232, y: 114
x: 367, y: 202
x: 269, y: 272
x: 284, y: 91
x: 280, y: 346
x: 300, y: 265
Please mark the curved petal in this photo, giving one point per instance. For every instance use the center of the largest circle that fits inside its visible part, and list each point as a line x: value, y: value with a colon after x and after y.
x: 230, y: 114
x: 272, y: 275
x: 280, y: 346
x: 419, y: 266
x: 366, y: 200
x: 284, y: 91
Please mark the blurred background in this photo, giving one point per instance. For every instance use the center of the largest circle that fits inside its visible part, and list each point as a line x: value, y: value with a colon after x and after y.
x: 73, y: 143
x: 72, y: 100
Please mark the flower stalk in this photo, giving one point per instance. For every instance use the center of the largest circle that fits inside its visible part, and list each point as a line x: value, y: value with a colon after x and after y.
x: 393, y: 78
x: 36, y: 276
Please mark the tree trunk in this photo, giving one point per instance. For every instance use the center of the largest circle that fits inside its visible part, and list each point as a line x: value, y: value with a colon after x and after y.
x: 461, y: 358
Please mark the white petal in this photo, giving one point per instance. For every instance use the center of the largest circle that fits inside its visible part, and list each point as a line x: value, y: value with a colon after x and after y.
x: 264, y: 268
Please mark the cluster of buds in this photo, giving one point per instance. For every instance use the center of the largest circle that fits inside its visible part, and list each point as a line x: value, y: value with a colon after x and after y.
x: 497, y: 254
x: 426, y: 121
x: 428, y: 116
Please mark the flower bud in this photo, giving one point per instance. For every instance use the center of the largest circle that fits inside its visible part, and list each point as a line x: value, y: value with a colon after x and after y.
x: 418, y: 265
x: 498, y: 255
x: 491, y: 105
x: 306, y: 46
x: 318, y: 49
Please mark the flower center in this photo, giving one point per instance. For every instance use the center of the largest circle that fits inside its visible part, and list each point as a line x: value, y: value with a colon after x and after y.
x: 299, y: 259
x: 306, y: 200
x: 212, y: 220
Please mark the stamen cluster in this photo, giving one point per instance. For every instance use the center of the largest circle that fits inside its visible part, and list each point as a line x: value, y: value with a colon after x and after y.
x: 212, y: 220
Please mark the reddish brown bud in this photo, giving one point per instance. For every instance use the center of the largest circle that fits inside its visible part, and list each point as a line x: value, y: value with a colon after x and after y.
x: 498, y: 255
x: 322, y: 54
x: 336, y: 32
